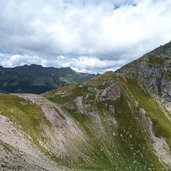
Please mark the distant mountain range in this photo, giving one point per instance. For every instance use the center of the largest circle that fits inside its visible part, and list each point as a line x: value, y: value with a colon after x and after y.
x: 38, y: 79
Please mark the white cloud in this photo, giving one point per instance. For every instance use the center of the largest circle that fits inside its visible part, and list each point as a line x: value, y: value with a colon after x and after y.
x: 106, y: 30
x: 19, y: 60
x: 90, y: 63
x: 80, y: 64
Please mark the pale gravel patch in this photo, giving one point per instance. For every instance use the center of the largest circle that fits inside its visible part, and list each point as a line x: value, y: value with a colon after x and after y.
x: 11, y: 134
x: 79, y: 104
x: 65, y: 138
x: 160, y: 146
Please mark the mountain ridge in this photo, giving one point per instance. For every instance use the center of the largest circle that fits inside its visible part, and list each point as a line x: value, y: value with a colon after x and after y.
x: 37, y: 79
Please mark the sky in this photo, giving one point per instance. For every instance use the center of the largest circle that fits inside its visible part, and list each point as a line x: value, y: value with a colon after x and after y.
x: 87, y: 35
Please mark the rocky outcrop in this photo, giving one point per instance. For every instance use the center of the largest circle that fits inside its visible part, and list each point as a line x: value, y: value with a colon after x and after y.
x: 79, y: 104
x: 110, y: 93
x: 152, y: 72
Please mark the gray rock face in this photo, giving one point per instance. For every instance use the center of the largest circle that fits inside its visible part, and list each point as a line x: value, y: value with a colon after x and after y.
x: 152, y: 71
x: 110, y: 93
x: 79, y: 104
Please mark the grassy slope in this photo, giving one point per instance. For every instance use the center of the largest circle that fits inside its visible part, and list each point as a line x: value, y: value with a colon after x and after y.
x: 123, y: 148
x: 26, y: 114
x: 161, y: 123
x: 128, y: 149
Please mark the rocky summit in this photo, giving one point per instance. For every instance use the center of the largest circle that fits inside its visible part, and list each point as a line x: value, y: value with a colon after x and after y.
x: 115, y: 121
